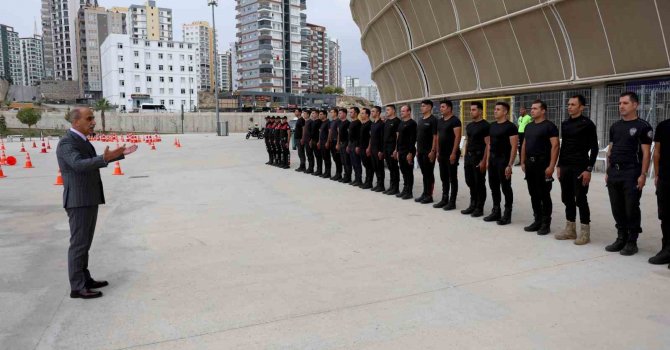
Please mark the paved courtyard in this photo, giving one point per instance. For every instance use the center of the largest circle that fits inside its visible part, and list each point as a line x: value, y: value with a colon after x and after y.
x: 205, y: 247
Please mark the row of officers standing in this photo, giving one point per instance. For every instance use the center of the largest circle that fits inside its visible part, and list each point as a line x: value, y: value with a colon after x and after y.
x: 361, y: 139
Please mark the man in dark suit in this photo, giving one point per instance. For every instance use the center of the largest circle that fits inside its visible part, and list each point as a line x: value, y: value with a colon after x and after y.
x: 82, y: 193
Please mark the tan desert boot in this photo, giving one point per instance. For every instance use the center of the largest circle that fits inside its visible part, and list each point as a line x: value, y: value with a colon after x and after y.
x: 568, y: 233
x: 584, y: 235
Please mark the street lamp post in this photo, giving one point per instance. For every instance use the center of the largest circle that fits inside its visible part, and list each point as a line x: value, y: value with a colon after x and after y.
x: 215, y: 3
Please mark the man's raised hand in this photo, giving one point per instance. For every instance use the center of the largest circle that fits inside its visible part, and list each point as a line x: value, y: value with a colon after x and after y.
x: 109, y: 156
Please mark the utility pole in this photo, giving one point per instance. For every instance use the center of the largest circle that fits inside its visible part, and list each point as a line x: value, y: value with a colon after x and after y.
x: 215, y: 3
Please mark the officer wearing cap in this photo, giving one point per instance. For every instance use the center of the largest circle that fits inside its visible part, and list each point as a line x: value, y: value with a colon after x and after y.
x: 266, y: 137
x: 629, y: 156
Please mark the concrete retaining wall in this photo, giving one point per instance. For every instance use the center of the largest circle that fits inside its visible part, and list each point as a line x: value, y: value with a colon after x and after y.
x: 150, y: 122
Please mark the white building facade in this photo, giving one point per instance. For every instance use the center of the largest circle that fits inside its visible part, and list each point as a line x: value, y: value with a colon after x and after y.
x: 10, y: 55
x: 32, y: 60
x: 136, y: 72
x: 225, y: 72
x: 61, y: 49
x: 201, y: 33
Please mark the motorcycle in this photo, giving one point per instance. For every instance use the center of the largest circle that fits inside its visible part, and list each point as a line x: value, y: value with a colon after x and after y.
x: 255, y: 132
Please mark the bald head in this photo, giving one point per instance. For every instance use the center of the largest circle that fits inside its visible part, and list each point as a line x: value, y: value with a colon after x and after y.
x: 82, y: 120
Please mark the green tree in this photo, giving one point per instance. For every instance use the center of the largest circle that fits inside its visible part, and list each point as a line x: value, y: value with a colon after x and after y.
x: 102, y: 105
x: 3, y: 124
x: 29, y: 116
x: 339, y: 90
x: 329, y: 90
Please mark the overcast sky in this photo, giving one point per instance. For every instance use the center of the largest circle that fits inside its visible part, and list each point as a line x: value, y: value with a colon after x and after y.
x: 333, y: 14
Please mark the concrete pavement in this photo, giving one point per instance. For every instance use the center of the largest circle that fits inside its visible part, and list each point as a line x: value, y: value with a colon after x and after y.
x: 207, y: 248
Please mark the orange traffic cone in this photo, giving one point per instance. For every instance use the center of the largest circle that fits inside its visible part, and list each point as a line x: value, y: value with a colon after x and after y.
x: 178, y: 143
x: 44, y: 148
x: 59, y: 179
x: 3, y: 158
x: 2, y: 145
x: 34, y: 144
x: 117, y: 169
x: 29, y: 163
x: 23, y: 149
x: 175, y: 142
x: 153, y: 146
x: 48, y: 144
x: 1, y: 173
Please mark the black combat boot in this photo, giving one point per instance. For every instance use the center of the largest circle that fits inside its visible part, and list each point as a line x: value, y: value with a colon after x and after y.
x: 403, y: 192
x: 469, y: 210
x: 452, y: 202
x: 534, y: 226
x: 619, y: 243
x: 421, y: 198
x: 408, y: 194
x: 367, y: 184
x: 631, y: 245
x: 495, y: 214
x: 393, y: 190
x: 545, y: 227
x: 443, y: 202
x: 506, y: 218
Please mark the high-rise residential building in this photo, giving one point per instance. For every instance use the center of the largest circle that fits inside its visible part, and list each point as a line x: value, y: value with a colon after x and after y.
x: 317, y: 70
x: 270, y: 49
x: 32, y: 60
x: 136, y: 72
x: 150, y: 22
x: 353, y: 87
x: 350, y: 85
x: 10, y: 55
x: 225, y: 71
x: 234, y: 73
x: 202, y: 34
x: 94, y: 24
x: 59, y: 22
x: 334, y: 63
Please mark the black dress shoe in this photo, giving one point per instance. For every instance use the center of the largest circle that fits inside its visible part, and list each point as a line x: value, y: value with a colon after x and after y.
x: 420, y: 199
x: 427, y: 200
x: 407, y: 196
x: 85, y: 294
x: 93, y: 284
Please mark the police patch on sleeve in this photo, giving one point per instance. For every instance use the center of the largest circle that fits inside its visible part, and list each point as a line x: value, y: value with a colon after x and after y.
x: 650, y: 134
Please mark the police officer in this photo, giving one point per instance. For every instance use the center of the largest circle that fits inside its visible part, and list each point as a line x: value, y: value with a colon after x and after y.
x: 271, y: 141
x: 426, y: 150
x: 306, y: 137
x: 266, y: 137
x: 504, y: 140
x: 390, y: 144
x: 376, y: 148
x: 354, y: 139
x: 343, y: 145
x: 324, y: 149
x: 448, y: 154
x: 277, y: 142
x: 406, y: 150
x: 662, y: 181
x: 476, y: 148
x: 284, y: 140
x: 362, y: 149
x: 332, y: 144
x: 629, y: 155
x: 316, y: 130
x: 523, y: 120
x: 579, y: 137
x: 299, y: 128
x: 539, y: 154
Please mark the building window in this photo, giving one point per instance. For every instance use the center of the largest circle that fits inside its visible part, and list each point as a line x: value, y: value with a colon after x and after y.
x: 147, y: 43
x: 160, y: 56
x: 190, y: 57
x: 182, y: 68
x: 171, y: 91
x: 148, y: 67
x: 136, y: 53
x: 160, y: 44
x: 120, y: 58
x: 170, y: 79
x: 160, y: 67
x: 181, y: 46
x: 163, y: 102
x: 147, y: 56
x: 162, y: 91
x: 148, y: 79
x: 137, y: 66
x: 122, y: 82
x: 149, y: 91
x: 135, y: 41
x: 170, y: 68
x: 137, y: 89
x: 181, y: 57
x: 183, y: 91
x: 162, y: 79
x: 171, y: 102
x: 119, y: 46
x: 170, y: 56
x: 120, y: 70
x: 123, y: 95
x: 190, y: 69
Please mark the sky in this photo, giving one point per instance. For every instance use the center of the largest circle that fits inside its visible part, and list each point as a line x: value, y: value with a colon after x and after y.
x: 332, y: 14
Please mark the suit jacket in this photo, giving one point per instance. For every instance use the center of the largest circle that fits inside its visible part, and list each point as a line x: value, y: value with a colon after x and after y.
x: 79, y: 165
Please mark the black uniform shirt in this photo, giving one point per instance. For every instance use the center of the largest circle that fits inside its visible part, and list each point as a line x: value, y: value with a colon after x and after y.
x: 578, y: 137
x: 354, y: 133
x: 364, y: 139
x: 344, y: 131
x: 426, y: 128
x: 477, y: 133
x: 308, y: 131
x: 537, y: 138
x: 626, y: 138
x: 390, y: 130
x: 323, y: 132
x: 663, y: 137
x: 334, y: 129
x: 445, y: 134
x: 298, y: 128
x: 316, y: 127
x: 407, y: 136
x: 500, y: 134
x: 377, y: 136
